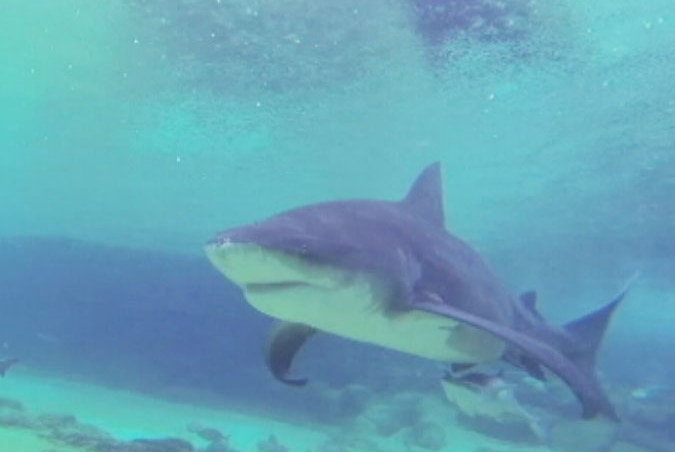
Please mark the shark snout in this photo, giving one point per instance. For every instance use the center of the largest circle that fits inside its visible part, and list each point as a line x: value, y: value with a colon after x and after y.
x: 280, y: 233
x: 252, y: 265
x: 234, y: 236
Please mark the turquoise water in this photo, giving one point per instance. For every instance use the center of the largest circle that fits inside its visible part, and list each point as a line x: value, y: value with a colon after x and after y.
x: 132, y: 131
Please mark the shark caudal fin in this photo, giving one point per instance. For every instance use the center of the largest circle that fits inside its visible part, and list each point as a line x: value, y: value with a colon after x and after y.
x: 586, y: 334
x: 589, y: 330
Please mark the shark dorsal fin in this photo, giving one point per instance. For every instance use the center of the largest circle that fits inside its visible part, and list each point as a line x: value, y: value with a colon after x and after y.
x: 529, y: 300
x: 425, y: 197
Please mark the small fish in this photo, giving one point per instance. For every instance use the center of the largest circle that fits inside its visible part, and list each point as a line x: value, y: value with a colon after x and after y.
x: 209, y: 434
x: 649, y: 391
x: 484, y: 395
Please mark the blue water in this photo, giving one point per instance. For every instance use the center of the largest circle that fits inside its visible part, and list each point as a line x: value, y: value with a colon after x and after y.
x: 132, y: 131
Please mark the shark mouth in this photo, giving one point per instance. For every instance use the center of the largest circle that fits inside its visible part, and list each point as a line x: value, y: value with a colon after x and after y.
x: 273, y: 286
x: 260, y: 270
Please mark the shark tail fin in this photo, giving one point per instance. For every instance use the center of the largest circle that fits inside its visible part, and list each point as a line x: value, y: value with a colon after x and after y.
x: 586, y: 334
x: 588, y: 331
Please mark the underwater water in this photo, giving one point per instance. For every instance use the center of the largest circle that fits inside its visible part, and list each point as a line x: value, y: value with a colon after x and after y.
x: 132, y: 131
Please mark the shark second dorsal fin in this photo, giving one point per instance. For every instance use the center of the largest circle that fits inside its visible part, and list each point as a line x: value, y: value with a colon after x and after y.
x: 529, y: 300
x: 425, y: 197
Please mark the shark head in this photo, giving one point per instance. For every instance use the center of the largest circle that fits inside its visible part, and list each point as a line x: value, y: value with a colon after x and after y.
x: 296, y: 256
x: 351, y: 268
x: 356, y: 235
x: 273, y: 256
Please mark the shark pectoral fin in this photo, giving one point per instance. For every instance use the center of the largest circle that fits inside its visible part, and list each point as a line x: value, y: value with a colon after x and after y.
x: 284, y: 342
x: 580, y: 379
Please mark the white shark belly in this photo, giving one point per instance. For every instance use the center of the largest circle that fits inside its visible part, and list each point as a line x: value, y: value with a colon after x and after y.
x: 355, y: 311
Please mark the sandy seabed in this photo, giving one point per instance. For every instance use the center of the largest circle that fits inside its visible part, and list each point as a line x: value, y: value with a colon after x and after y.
x: 126, y: 416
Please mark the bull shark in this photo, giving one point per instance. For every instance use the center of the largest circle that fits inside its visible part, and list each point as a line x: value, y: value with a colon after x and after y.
x: 389, y: 273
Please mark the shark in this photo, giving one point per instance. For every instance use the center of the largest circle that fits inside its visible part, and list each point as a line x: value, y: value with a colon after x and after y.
x: 389, y: 273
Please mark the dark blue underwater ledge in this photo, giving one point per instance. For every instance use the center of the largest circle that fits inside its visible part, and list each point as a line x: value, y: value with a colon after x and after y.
x: 169, y: 325
x: 166, y: 324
